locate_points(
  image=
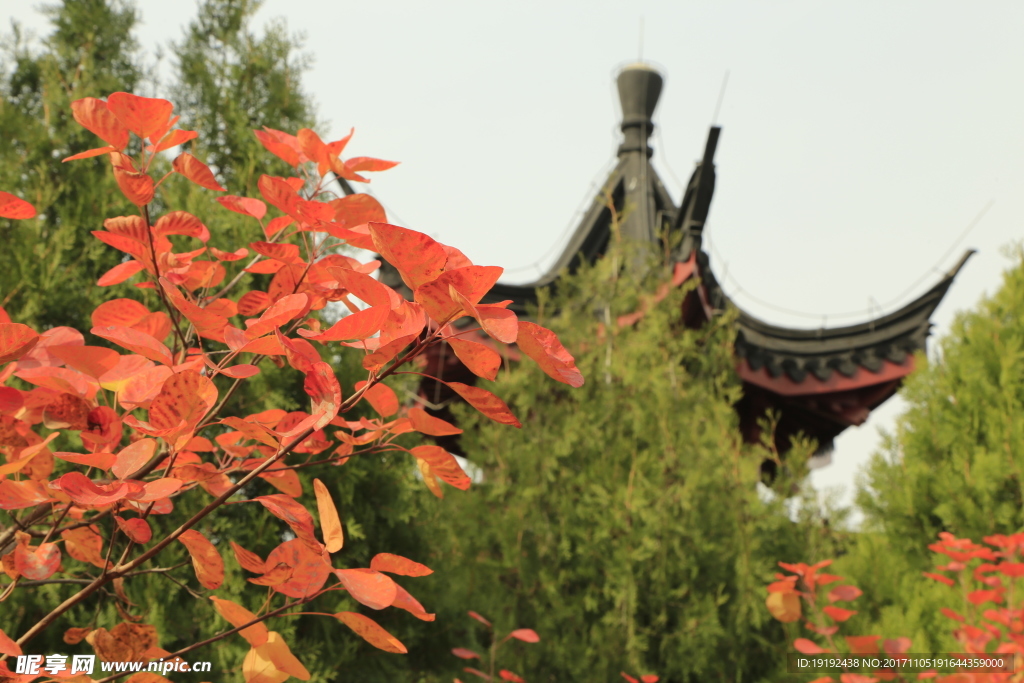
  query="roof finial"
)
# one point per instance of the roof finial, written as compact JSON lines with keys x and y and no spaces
{"x":639,"y":89}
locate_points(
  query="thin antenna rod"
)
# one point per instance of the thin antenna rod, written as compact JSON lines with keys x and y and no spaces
{"x":721,"y":96}
{"x":640,"y":46}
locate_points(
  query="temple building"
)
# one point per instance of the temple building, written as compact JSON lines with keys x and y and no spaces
{"x":820,"y":381}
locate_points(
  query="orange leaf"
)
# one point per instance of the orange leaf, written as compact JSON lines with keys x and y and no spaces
{"x":236,"y":615}
{"x":429,"y":478}
{"x":272,"y":662}
{"x":135,"y":528}
{"x":315,"y":149}
{"x":206,"y":560}
{"x":275,"y":577}
{"x":807,"y":647}
{"x":284,"y":310}
{"x":359,"y":325}
{"x":253,"y":302}
{"x":8,"y":646}
{"x":120,"y":273}
{"x":244,"y":205}
{"x":172,"y":139}
{"x":135,"y":341}
{"x":294,"y":515}
{"x":474,"y":615}
{"x":89,"y":153}
{"x":431,"y":426}
{"x":463,"y":653}
{"x":411,"y":605}
{"x":381,"y":397}
{"x":844,"y":593}
{"x":84,"y":545}
{"x":94,"y":115}
{"x":443,"y":465}
{"x":16,"y":495}
{"x":358,"y":209}
{"x":196,"y":171}
{"x":278,"y":192}
{"x":473,"y":282}
{"x":137,"y":187}
{"x":330,"y":523}
{"x":133,"y":457}
{"x":481,"y":360}
{"x":418,"y":258}
{"x":486,"y":402}
{"x":322,"y":387}
{"x":247,"y":559}
{"x":86,"y":492}
{"x":371,"y":632}
{"x":527,"y":635}
{"x":373,"y":589}
{"x":183,"y":401}
{"x":123,"y":312}
{"x":13,"y":207}
{"x":283,"y":151}
{"x":863,"y":645}
{"x":360,"y":164}
{"x":35,"y":563}
{"x":141,"y":115}
{"x":784,"y":606}
{"x":15,"y":341}
{"x":543,"y":347}
{"x":310,"y":569}
{"x":396,"y":564}
{"x":838,"y":613}
{"x":181,"y":223}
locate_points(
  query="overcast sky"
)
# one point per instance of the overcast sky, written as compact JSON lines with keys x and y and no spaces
{"x":860,"y":139}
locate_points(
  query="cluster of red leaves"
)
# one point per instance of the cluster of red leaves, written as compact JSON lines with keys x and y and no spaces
{"x":979,"y":630}
{"x":526,"y":635}
{"x":150,"y":416}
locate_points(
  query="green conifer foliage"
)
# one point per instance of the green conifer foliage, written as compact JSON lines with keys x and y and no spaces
{"x":49,"y":265}
{"x":622,"y":522}
{"x":954,"y":464}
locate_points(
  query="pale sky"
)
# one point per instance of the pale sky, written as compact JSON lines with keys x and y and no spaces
{"x":859,"y":141}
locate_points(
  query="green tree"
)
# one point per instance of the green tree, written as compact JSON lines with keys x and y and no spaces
{"x":622,"y":522}
{"x":953,"y":464}
{"x":49,"y":265}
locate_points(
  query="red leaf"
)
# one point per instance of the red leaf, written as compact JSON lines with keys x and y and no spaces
{"x":94,"y":115}
{"x":381,"y":397}
{"x":181,"y":223}
{"x":386,"y":353}
{"x":896,"y":646}
{"x":137,"y":187}
{"x":16,"y":495}
{"x":132,"y":457}
{"x":244,"y":205}
{"x":330,"y":523}
{"x":431,"y":426}
{"x":361,"y":164}
{"x":89,"y":153}
{"x":371,"y":632}
{"x":309,"y":569}
{"x":141,"y":115}
{"x":486,"y":402}
{"x":527,"y":635}
{"x":120,"y":273}
{"x":253,"y":302}
{"x":283,"y":151}
{"x":463,"y":653}
{"x":294,"y":515}
{"x":15,"y":341}
{"x":8,"y":646}
{"x":206,"y":561}
{"x":196,"y":171}
{"x":444,"y":465}
{"x":13,"y":207}
{"x":649,"y":678}
{"x":323,"y":388}
{"x":481,"y":360}
{"x":123,"y":312}
{"x":396,"y":564}
{"x":838,"y":613}
{"x":479,"y":618}
{"x":509,"y":676}
{"x":365,"y":287}
{"x":951,"y":614}
{"x":411,"y":605}
{"x":543,"y":347}
{"x":807,"y":647}
{"x":473,"y":282}
{"x":358,"y":209}
{"x":628,"y":677}
{"x":172,"y":139}
{"x":477,"y":672}
{"x":94,"y":361}
{"x":84,"y":491}
{"x":371,"y":588}
{"x":314,"y":149}
{"x":844,"y":593}
{"x":278,"y":192}
{"x":135,"y":528}
{"x":248,"y":559}
{"x":418,"y":258}
{"x":183,"y":401}
{"x":283,"y":311}
{"x":135,"y":341}
{"x":38,"y":563}
{"x":359,"y":325}
{"x":863,"y":645}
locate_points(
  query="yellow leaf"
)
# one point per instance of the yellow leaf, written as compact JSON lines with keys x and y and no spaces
{"x":784,"y":606}
{"x":330,"y":523}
